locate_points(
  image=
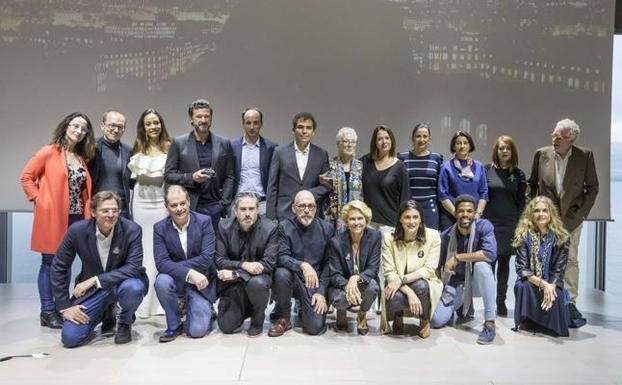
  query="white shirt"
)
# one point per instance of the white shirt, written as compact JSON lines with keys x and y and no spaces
{"x":302,"y":158}
{"x":183,"y":239}
{"x":560,"y":171}
{"x":103,"y":249}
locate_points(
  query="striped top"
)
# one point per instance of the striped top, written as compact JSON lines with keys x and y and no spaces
{"x":423,"y":172}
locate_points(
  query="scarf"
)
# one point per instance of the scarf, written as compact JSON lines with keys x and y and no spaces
{"x":540,"y":255}
{"x":465,"y":171}
{"x":452,"y":249}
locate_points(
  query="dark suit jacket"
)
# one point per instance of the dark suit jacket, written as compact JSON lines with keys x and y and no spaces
{"x":98,"y":172}
{"x":262,"y":243}
{"x":170,"y":257}
{"x":580,"y":183}
{"x":182,"y":161}
{"x":125,"y":259}
{"x":342,"y":261}
{"x":266,"y":150}
{"x":284,"y":181}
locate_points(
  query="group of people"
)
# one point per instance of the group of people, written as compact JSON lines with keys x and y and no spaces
{"x":175,"y":226}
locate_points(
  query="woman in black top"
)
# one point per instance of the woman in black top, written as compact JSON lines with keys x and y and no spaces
{"x":385,"y":179}
{"x":506,"y":200}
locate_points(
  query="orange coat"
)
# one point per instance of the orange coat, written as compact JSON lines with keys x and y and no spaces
{"x":45,"y":178}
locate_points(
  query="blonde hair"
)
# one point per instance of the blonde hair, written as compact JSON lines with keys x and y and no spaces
{"x":525,"y":223}
{"x":356,"y":205}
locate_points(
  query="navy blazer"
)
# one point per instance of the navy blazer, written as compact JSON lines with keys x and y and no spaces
{"x":266,"y":149}
{"x":125,"y":259}
{"x":170,"y":257}
{"x":98,"y":172}
{"x":182,"y":161}
{"x":342,"y":261}
{"x":284,"y":181}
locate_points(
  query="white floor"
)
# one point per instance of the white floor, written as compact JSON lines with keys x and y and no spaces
{"x":591,"y":355}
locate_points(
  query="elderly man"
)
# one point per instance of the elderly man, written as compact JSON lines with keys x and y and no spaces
{"x":303,"y":267}
{"x":202,"y":162}
{"x":109,"y":166}
{"x":468,"y":249}
{"x":566,"y":173}
{"x":246,"y":251}
{"x":111,"y":252}
{"x":184,"y":255}
{"x":253,"y":154}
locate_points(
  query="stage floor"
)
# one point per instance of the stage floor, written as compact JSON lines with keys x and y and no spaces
{"x":591,"y":355}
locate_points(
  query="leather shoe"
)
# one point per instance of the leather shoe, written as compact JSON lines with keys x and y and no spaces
{"x":170,"y":335}
{"x":280,"y":327}
{"x":361,"y":323}
{"x":255,"y":330}
{"x":109,"y":321}
{"x":424,"y":328}
{"x":342,"y":320}
{"x":124,"y":334}
{"x":51,"y":319}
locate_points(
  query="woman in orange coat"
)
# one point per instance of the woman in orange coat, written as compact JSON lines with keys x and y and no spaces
{"x":57,"y":181}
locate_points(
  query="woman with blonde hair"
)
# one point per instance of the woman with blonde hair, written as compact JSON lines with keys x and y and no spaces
{"x":541,"y":243}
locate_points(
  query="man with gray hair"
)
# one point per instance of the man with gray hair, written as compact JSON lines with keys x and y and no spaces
{"x":566,"y":173}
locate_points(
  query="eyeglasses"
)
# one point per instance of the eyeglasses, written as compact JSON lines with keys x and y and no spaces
{"x":349,"y":142}
{"x":79,"y":127}
{"x":109,"y":211}
{"x":309,"y":206}
{"x":113,"y":126}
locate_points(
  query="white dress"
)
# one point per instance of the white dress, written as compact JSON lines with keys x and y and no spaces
{"x":147,"y":209}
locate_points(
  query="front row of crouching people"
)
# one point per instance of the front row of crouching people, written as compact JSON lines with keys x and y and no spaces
{"x":252,"y":258}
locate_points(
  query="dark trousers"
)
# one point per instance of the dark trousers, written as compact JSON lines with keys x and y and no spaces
{"x":502,"y":268}
{"x":241,"y":300}
{"x":369,"y":293}
{"x":128,"y":293}
{"x":213,"y":210}
{"x":399,"y":302}
{"x":287,"y":285}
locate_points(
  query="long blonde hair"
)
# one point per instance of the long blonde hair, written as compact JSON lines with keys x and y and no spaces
{"x":526,"y":225}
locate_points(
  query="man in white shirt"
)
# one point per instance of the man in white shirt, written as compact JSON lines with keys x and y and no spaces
{"x":110,"y":249}
{"x":183,"y":245}
{"x":566,"y":173}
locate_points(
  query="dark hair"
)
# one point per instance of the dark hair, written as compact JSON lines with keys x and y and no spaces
{"x":422,"y":125}
{"x":104,"y":196}
{"x":303,"y":116}
{"x":167,"y":189}
{"x":86,"y":147}
{"x":245,"y":194}
{"x":468,"y":138}
{"x":398,"y":233}
{"x":465,"y":198}
{"x":141,"y":144}
{"x":373,"y":150}
{"x":253,"y":109}
{"x":495,"y":151}
{"x":197,"y":105}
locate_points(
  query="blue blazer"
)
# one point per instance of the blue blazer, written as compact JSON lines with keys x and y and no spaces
{"x":125,"y":259}
{"x":170,"y":257}
{"x":266,"y":149}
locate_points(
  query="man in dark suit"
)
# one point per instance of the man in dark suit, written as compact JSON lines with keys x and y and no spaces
{"x":202,"y":162}
{"x":109,"y":166}
{"x":566,"y":173}
{"x":246,"y":250}
{"x":184,"y":255}
{"x":111,"y":252}
{"x":253,"y":154}
{"x":296,"y":166}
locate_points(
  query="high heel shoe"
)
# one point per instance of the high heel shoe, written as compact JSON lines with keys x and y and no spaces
{"x":51,"y":319}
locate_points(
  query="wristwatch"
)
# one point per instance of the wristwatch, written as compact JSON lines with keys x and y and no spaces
{"x":234,"y":274}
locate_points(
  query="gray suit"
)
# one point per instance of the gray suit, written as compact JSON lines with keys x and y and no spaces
{"x":284,"y":180}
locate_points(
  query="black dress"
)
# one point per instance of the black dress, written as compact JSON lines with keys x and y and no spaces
{"x":384,"y":190}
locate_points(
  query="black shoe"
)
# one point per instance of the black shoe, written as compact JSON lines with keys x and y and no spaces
{"x":109,"y":321}
{"x":574,"y":312}
{"x":342,"y":320}
{"x":51,"y":319}
{"x":170,"y":335}
{"x":502,"y":310}
{"x":124,"y":334}
{"x":255,"y":330}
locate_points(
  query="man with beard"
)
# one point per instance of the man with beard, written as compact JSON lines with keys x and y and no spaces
{"x":246,"y":250}
{"x":468,"y":249}
{"x":202,"y":162}
{"x":303,"y":268}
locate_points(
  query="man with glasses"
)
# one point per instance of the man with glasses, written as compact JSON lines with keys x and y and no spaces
{"x":566,"y":173}
{"x":111,"y":252}
{"x":303,"y":268}
{"x":108,"y":168}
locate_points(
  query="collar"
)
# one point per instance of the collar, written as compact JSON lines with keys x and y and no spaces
{"x":246,"y":143}
{"x":100,"y":236}
{"x":565,"y":157}
{"x":196,"y":139}
{"x":303,"y":152}
{"x":183,"y":228}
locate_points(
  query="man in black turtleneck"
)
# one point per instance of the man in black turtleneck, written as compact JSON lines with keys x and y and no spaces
{"x":109,"y":167}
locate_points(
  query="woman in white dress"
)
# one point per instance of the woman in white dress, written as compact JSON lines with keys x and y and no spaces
{"x":147,"y":167}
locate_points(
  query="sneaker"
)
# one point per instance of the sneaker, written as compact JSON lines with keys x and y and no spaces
{"x":170,"y":335}
{"x":487,"y":336}
{"x":124,"y":334}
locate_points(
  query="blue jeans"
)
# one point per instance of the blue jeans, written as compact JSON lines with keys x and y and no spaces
{"x":483,"y":282}
{"x":128,"y":293}
{"x":199,"y":309}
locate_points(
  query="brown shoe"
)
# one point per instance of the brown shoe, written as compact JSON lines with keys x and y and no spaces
{"x":398,"y":324}
{"x":280,"y":327}
{"x":424,"y":328}
{"x":361,"y":323}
